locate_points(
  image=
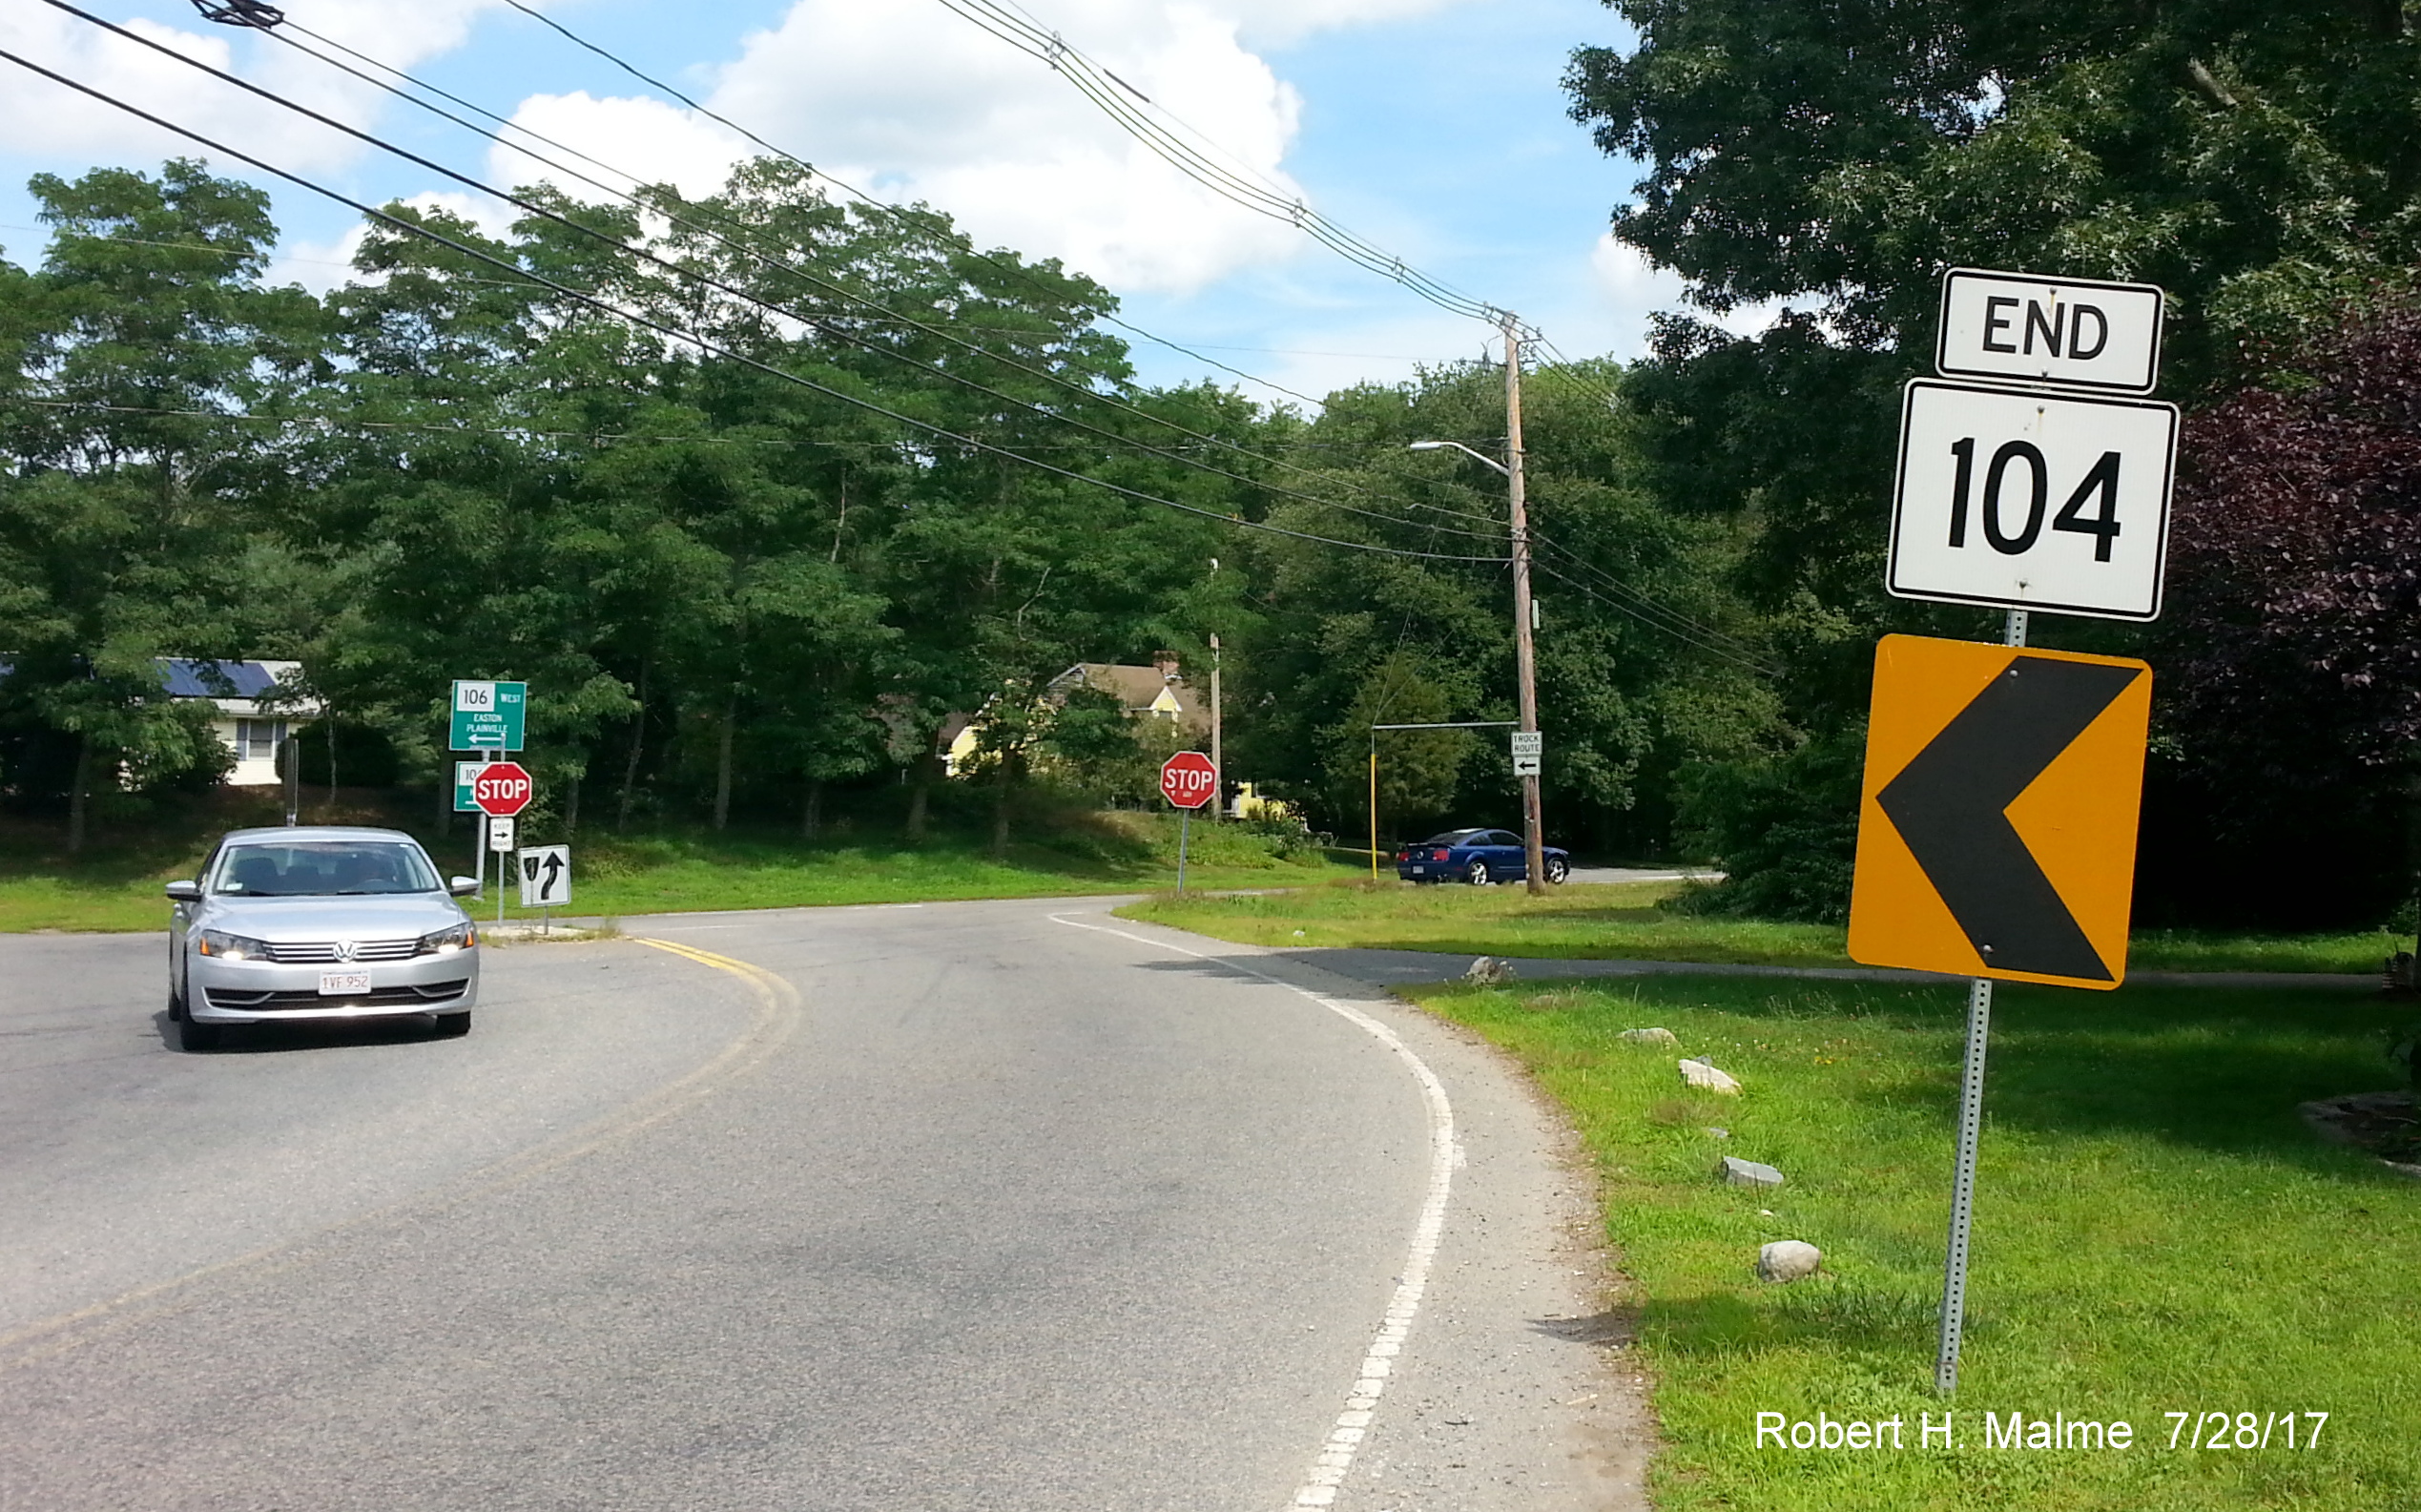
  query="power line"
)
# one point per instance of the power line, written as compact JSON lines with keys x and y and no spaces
{"x":679,"y":270}
{"x":1664,"y":617}
{"x":649,"y":323}
{"x":1649,"y":610}
{"x":1109,"y":95}
{"x":1048,"y":47}
{"x":905,"y":217}
{"x":1711,"y":648}
{"x":940,"y":237}
{"x":782,"y":264}
{"x":331,"y":423}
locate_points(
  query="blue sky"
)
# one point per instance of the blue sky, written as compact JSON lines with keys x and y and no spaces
{"x":1434,"y":128}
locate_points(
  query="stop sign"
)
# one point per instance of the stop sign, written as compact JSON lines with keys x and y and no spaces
{"x":502,"y":788}
{"x":1189,"y":781}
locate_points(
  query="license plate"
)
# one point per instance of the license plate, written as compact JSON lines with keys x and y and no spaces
{"x":343,"y":984}
{"x":1417,"y":871}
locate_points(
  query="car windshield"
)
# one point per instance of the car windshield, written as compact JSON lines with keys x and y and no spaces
{"x":323,"y":869}
{"x":1454,"y":837}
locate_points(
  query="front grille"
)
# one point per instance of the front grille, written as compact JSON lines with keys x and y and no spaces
{"x":323,"y":952}
{"x":412,"y":997}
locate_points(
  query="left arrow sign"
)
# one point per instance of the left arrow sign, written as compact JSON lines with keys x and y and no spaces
{"x":2002,"y":787}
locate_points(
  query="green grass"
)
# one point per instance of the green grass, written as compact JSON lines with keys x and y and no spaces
{"x":1621,"y":921}
{"x":115,"y":886}
{"x":2155,"y":1231}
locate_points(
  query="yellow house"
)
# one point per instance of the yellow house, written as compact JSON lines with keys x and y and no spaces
{"x":1146,"y":692}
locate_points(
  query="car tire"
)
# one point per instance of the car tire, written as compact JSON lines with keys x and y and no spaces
{"x":453,"y":1025}
{"x":1557,"y":870}
{"x":175,"y":1006}
{"x":1478,"y":876}
{"x":193,"y":1036}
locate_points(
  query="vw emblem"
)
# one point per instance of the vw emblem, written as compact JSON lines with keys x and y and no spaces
{"x":344,"y":951}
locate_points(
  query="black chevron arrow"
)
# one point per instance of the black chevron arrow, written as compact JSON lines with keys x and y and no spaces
{"x":1948,"y":805}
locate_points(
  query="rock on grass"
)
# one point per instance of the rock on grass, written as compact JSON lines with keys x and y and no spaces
{"x":1738,"y":1172}
{"x":1705,"y":1078}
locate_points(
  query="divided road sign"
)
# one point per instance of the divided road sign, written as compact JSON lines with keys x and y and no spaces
{"x":502,"y":788}
{"x":2022,"y":499}
{"x":1997,"y":825}
{"x":1189,"y":781}
{"x":545,"y":876}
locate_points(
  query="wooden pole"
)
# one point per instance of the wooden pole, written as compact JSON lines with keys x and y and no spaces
{"x":1525,"y":653}
{"x":1218,"y":765}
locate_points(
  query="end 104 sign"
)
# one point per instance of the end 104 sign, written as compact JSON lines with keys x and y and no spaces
{"x":2033,"y":500}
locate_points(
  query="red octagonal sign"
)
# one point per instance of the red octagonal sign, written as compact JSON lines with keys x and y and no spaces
{"x":1189,"y":779}
{"x":502,"y":788}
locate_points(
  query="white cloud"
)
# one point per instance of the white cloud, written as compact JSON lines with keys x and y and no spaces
{"x":1631,"y":288}
{"x":650,"y":142}
{"x":913,"y":102}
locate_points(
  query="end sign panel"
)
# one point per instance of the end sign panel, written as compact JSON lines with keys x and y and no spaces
{"x":1997,"y":824}
{"x":2022,"y":499}
{"x":2023,"y":328}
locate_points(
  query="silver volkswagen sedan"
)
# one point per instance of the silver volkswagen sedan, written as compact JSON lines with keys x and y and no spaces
{"x":320,"y":922}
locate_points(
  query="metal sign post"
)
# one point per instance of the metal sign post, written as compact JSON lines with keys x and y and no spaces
{"x":1970,"y":1128}
{"x":500,"y":839}
{"x":466,"y":777}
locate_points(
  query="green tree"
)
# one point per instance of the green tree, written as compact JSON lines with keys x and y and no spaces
{"x":132,"y":514}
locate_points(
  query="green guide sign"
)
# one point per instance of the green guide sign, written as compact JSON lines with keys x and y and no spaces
{"x":487,"y":716}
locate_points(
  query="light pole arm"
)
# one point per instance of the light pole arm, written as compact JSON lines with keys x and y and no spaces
{"x":1475,"y":456}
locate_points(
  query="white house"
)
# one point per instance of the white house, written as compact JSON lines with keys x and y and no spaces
{"x":248,"y":722}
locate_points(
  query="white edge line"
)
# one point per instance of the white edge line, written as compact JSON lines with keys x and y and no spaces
{"x":1336,"y":1457}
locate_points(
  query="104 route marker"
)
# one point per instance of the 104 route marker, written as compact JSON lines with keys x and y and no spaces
{"x":2032,"y":501}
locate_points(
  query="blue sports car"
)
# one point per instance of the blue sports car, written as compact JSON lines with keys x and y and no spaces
{"x":1478,"y":857}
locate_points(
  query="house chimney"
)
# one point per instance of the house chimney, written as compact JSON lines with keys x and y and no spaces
{"x":1165,"y":661}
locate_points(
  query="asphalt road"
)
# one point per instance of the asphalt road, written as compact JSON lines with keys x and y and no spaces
{"x":957,"y":1206}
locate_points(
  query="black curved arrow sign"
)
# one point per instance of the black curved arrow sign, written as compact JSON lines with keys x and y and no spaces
{"x":1949,"y":806}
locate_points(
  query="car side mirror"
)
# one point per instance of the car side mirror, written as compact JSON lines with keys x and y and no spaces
{"x":183,"y":892}
{"x":463,"y":886}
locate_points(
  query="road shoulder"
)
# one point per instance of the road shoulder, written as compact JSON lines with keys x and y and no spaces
{"x":1516,"y":1392}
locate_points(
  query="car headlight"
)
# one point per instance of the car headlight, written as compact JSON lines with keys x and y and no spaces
{"x":446,"y":942}
{"x":220,"y":946}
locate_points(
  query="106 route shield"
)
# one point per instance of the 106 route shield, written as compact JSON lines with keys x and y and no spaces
{"x":1996,"y":823}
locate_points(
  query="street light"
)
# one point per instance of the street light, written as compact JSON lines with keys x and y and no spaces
{"x":1475,"y":456}
{"x":1525,"y":653}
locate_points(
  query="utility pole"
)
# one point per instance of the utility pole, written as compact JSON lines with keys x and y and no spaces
{"x":1218,"y":767}
{"x":1525,"y":653}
